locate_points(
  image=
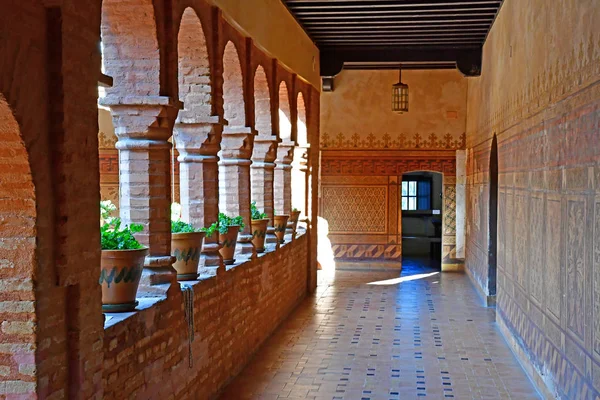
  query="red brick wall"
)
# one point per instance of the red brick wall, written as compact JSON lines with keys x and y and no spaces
{"x":49,"y":64}
{"x":146,"y":356}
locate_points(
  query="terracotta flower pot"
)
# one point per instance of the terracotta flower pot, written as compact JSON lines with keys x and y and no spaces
{"x":294,"y":221}
{"x":228,"y":242}
{"x":280,"y":225}
{"x":186,"y":248}
{"x":259,"y":233}
{"x":120,"y":273}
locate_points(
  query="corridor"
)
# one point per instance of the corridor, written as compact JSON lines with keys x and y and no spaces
{"x":374,"y":335}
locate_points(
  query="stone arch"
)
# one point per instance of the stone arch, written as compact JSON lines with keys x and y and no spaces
{"x":285,"y":115}
{"x":194,"y":73}
{"x":233,"y":87}
{"x":128,"y":31}
{"x":302,"y":130}
{"x":18,"y":246}
{"x":262,"y":102}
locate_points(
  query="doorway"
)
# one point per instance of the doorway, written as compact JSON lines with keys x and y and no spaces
{"x":493,"y":220}
{"x":421,"y":209}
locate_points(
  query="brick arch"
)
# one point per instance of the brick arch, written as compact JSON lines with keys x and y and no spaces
{"x":131,"y":53}
{"x":285,"y":115}
{"x":262,"y":102}
{"x":18,"y":246}
{"x":301,"y":127}
{"x":194,"y":73}
{"x":233,"y":87}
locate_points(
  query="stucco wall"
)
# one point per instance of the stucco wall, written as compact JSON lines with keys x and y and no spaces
{"x":357,"y":114}
{"x":540,"y":93}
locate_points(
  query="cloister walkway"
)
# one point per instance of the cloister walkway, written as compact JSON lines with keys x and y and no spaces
{"x":375,"y":335}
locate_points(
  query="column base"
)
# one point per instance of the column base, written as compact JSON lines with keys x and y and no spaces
{"x":245,"y":246}
{"x":211,"y":262}
{"x":158,"y":270}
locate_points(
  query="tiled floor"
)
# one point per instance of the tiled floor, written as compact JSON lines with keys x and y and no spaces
{"x":374,"y":335}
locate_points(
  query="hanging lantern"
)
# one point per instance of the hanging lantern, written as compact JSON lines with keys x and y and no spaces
{"x":400,"y":95}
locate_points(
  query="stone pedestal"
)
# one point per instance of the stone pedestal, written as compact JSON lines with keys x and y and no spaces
{"x":143,"y":126}
{"x":263,"y":173}
{"x":198,"y":144}
{"x":234,"y":180}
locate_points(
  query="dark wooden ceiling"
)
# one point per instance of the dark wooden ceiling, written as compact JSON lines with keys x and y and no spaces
{"x":384,"y":33}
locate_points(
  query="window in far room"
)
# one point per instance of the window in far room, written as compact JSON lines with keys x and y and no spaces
{"x":416,"y":195}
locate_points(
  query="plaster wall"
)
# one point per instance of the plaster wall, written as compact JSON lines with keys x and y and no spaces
{"x":362,"y":137}
{"x":540,"y":93}
{"x":357,"y":114}
{"x":275,"y":31}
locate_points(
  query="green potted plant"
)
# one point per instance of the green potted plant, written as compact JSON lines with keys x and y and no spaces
{"x":121,"y":262}
{"x":186,"y":245}
{"x":280,"y":224}
{"x":293,"y":221}
{"x":228,"y":229}
{"x":259,"y":224}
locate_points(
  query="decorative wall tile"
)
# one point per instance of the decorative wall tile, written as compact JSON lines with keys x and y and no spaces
{"x":352,"y":209}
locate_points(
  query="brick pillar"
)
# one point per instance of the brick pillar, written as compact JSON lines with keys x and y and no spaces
{"x":198,"y":145}
{"x":234,"y":180}
{"x":143,"y":126}
{"x":300,"y":179}
{"x":263,"y":175}
{"x":283,"y":177}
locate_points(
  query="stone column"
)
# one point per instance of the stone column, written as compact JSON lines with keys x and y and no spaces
{"x":198,"y":145}
{"x":143,"y":126}
{"x":234,"y":180}
{"x":263,"y":172}
{"x":283,"y":177}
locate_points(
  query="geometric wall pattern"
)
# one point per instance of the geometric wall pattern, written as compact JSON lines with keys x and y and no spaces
{"x":355,"y":209}
{"x":360,"y":200}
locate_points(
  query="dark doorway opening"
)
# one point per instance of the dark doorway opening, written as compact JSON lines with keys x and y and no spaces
{"x":493,"y":220}
{"x":421,"y":208}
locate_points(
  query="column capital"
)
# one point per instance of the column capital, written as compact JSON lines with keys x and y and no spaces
{"x":285,"y":154}
{"x":265,"y":150}
{"x":149,"y":118}
{"x":198,"y":141}
{"x":237,"y":142}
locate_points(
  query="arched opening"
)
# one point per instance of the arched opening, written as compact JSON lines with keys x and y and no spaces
{"x":300,"y":170}
{"x":131,"y":57}
{"x":262,"y":103}
{"x":285,"y":116}
{"x":421,"y":205}
{"x":17,"y":251}
{"x":493,"y":220}
{"x":263,"y":152}
{"x":194,"y":69}
{"x":233,"y":87}
{"x":195,"y":92}
{"x":128,"y":31}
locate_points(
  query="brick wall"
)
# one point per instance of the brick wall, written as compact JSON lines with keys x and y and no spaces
{"x":52,"y":334}
{"x":147,"y":355}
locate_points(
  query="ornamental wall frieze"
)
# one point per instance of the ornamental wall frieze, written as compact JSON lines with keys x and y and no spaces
{"x":396,"y":141}
{"x":564,"y":77}
{"x":369,"y":167}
